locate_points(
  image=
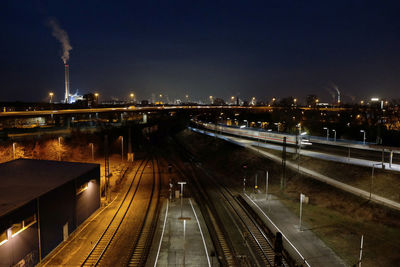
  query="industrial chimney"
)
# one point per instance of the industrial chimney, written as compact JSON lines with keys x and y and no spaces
{"x":66,"y":83}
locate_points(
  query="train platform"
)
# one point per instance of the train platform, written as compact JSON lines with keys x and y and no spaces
{"x":181,"y":237}
{"x":302,"y":243}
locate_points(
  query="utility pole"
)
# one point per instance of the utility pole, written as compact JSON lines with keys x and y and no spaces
{"x":283,"y":178}
{"x":266,"y":185}
{"x":255,"y":183}
{"x":182,"y":184}
{"x":106,"y":167}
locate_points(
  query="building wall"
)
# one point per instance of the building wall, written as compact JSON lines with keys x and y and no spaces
{"x":23,"y":247}
{"x":88,"y":201}
{"x":56,"y":208}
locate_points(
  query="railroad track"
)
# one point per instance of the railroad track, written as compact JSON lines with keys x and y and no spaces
{"x":262,"y":245}
{"x":99,"y":249}
{"x":144,"y":237}
{"x":222,"y":244}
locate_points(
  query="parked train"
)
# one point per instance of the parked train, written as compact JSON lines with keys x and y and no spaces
{"x":259,"y":135}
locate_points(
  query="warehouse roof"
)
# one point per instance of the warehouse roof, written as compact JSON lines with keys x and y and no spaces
{"x":23,"y":180}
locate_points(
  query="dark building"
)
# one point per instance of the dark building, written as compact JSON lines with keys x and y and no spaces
{"x":41,"y":203}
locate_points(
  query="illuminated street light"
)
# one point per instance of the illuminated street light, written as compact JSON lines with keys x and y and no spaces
{"x":362,"y":102}
{"x":295,"y":101}
{"x":362,"y":131}
{"x":334,"y":135}
{"x":327,"y":133}
{"x":96,"y":96}
{"x":132,"y":95}
{"x":247,"y":123}
{"x":211,"y":99}
{"x":51,"y":94}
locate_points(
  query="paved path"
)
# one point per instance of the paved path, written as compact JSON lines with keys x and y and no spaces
{"x":181,"y":239}
{"x":310,"y":173}
{"x":304,"y":245}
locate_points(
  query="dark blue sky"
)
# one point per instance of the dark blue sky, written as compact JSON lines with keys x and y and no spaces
{"x":220,"y":48}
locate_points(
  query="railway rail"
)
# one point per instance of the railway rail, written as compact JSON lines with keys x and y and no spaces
{"x":259,"y":240}
{"x":142,"y":244}
{"x":145,"y":213}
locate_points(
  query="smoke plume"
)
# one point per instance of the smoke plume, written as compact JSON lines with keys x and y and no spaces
{"x":62,"y":37}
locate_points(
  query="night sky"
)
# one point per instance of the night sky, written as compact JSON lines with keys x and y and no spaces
{"x":201,"y":48}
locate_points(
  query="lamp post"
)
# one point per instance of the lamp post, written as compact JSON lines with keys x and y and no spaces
{"x":132,"y":95}
{"x":211,"y":99}
{"x":327,"y":133}
{"x":51,"y":94}
{"x":92,"y":146}
{"x":247,"y":123}
{"x":96,"y":96}
{"x":334,"y":135}
{"x":122,"y":148}
{"x":13,"y":147}
{"x":182,"y":184}
{"x":362,"y":131}
{"x":372,"y":179}
{"x":232,"y":99}
{"x":59,"y":148}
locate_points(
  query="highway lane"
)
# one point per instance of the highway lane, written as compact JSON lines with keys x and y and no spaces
{"x":138,"y":108}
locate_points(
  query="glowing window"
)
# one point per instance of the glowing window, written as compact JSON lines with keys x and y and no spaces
{"x":29,"y":221}
{"x":3,"y":237}
{"x":16,"y":227}
{"x":82,"y":188}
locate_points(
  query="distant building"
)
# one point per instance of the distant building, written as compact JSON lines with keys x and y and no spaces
{"x":41,"y":203}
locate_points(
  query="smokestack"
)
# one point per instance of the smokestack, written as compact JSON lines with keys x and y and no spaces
{"x":66,"y":83}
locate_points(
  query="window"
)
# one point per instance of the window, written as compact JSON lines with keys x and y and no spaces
{"x":29,"y":221}
{"x":3,"y":237}
{"x":82,"y":188}
{"x":16,"y":227}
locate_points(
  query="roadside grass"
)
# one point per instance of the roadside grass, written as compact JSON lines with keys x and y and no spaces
{"x":337,"y":217}
{"x":385,"y":183}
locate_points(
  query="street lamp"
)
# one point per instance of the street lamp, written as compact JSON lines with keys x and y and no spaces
{"x":59,"y":148}
{"x":334,"y":135}
{"x":372,"y":179}
{"x":211,"y":99}
{"x":122,"y":148}
{"x":51,"y":94}
{"x":295,"y":101}
{"x":96,"y":96}
{"x":247,"y":123}
{"x":181,"y":184}
{"x":327,"y":133}
{"x":233,"y":99}
{"x":92,"y":146}
{"x":362,"y":131}
{"x":132,"y":95}
{"x":13,"y":146}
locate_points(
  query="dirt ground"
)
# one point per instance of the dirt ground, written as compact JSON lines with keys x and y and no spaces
{"x":336,"y":217}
